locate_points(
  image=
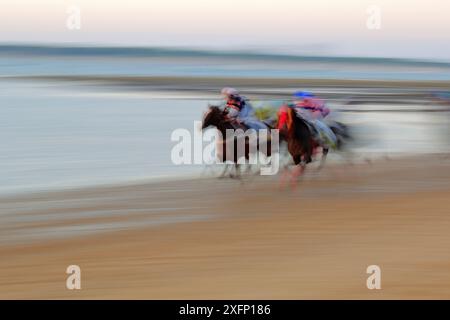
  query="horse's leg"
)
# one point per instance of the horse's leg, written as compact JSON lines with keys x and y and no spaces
{"x":285,"y":174}
{"x":323,"y":159}
{"x":286,"y":160}
{"x":224,"y":172}
{"x":296,"y":173}
{"x":294,"y":155}
{"x":224,"y":160}
{"x":254,"y":166}
{"x":284,"y":177}
{"x":207,"y":168}
{"x":237,"y":171}
{"x":248,"y":169}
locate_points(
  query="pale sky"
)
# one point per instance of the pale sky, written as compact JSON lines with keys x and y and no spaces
{"x":409,"y":28}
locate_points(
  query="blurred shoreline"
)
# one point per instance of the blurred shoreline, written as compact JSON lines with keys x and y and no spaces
{"x":346,"y":92}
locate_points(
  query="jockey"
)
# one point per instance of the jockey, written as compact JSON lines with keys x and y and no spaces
{"x":313,"y":110}
{"x":240,"y":110}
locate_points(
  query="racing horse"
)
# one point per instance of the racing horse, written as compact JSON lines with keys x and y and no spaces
{"x":300,"y":143}
{"x":215,"y":117}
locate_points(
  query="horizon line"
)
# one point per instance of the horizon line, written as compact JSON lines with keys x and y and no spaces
{"x":83,"y":49}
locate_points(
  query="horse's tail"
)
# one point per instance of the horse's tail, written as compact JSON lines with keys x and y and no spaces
{"x":342,"y":133}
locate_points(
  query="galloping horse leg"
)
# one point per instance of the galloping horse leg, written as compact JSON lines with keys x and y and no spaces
{"x":237,"y":172}
{"x":284,"y":176}
{"x":248,"y":169}
{"x":323,"y":159}
{"x":224,"y":172}
{"x":296,"y":173}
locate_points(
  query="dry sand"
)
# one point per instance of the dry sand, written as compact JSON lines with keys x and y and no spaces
{"x":212,"y":239}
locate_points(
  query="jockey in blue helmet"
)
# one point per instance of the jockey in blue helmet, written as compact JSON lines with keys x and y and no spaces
{"x":313,"y":110}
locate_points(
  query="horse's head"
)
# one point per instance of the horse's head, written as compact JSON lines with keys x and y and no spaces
{"x":212,"y":117}
{"x":285,"y":120}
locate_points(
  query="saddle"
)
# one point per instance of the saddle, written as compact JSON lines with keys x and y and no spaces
{"x":312,"y":128}
{"x":316,"y":135}
{"x":238,"y":125}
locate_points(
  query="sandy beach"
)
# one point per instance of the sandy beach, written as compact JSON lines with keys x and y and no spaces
{"x":220,"y":238}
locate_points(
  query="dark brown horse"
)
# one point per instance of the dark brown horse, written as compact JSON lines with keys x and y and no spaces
{"x":301,"y":145}
{"x":215,"y":117}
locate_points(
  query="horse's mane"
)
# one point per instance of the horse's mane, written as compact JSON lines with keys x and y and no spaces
{"x":213,"y":107}
{"x":217,"y":114}
{"x":216,"y":110}
{"x":290,"y":120}
{"x":211,"y":110}
{"x":298,"y":127}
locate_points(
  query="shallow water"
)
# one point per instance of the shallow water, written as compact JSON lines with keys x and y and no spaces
{"x":53,"y":137}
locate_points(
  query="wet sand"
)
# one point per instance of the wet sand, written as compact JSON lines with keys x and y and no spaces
{"x":219,"y":238}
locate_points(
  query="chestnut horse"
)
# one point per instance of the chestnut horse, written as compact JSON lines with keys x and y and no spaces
{"x":297,"y":133}
{"x":215,"y":117}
